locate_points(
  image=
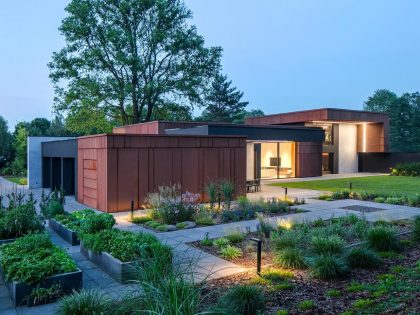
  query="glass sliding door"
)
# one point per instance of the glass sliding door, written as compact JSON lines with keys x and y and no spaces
{"x":277,"y":159}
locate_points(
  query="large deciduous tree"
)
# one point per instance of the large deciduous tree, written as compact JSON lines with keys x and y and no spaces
{"x":130,"y":59}
{"x":404,"y":114}
{"x":223,"y":102}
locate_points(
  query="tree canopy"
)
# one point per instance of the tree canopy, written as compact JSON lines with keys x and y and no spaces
{"x":223,"y":102}
{"x":404,"y":114}
{"x":131,"y":60}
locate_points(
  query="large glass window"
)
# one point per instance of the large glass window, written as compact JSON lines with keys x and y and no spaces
{"x":277,"y":159}
{"x":328,"y":128}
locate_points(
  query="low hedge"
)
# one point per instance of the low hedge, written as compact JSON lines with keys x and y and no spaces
{"x":123,"y":245}
{"x":406,"y":169}
{"x":33,"y":258}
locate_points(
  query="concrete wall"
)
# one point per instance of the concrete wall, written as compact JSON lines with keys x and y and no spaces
{"x":34,"y":155}
{"x":250,"y":161}
{"x":347,"y":150}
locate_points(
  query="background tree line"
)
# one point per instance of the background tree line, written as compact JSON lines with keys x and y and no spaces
{"x":13,"y":146}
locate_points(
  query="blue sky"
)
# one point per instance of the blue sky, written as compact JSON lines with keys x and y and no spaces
{"x":285,"y":55}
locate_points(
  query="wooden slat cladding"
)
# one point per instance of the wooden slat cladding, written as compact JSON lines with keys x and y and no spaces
{"x":308,"y":159}
{"x":128,"y":167}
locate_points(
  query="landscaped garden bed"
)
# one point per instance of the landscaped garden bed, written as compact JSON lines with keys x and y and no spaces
{"x":171,"y":210}
{"x":18,"y":218}
{"x":310,"y":271}
{"x":67,"y":224}
{"x":113,"y":250}
{"x":36,"y":272}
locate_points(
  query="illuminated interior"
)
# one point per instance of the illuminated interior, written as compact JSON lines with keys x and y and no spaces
{"x":277,"y":160}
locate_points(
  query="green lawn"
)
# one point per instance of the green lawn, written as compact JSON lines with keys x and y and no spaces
{"x":18,"y":180}
{"x":392,"y":185}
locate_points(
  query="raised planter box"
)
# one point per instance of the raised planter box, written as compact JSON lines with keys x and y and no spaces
{"x":7,"y":241}
{"x":68,"y":235}
{"x":20,"y":292}
{"x":120,"y":271}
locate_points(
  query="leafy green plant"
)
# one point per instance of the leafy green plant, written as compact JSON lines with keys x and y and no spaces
{"x":394,"y":200}
{"x":414,"y":200}
{"x":243,"y":300}
{"x":221,"y":242}
{"x":290,"y":257}
{"x":206,"y":241}
{"x":333,"y":293}
{"x":406,"y":169}
{"x":204,"y":216}
{"x":331,"y":244}
{"x":328,"y":266}
{"x":123,"y":245}
{"x":162,"y":228}
{"x":383,"y":238}
{"x":276,"y":275}
{"x":363,"y":303}
{"x":231,"y":252}
{"x":181,"y":225}
{"x":235,"y":236}
{"x":356,"y":287}
{"x":141,"y":220}
{"x":306,"y":305}
{"x":340,"y":194}
{"x":33,"y":258}
{"x":85,"y":302}
{"x":363,"y":258}
{"x":379,"y":199}
{"x":95,"y":223}
{"x":52,"y":209}
{"x":227,"y":188}
{"x":282,"y":312}
{"x":19,"y":221}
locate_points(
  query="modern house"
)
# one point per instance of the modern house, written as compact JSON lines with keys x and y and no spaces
{"x":108,"y":171}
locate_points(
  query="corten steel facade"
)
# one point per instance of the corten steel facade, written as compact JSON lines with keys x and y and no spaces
{"x":115,"y":169}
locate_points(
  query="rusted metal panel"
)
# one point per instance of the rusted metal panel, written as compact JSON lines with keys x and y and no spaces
{"x":190,"y":169}
{"x":128,"y":168}
{"x":128,"y":178}
{"x":308,"y":159}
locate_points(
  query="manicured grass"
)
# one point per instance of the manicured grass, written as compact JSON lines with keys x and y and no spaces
{"x":392,"y":185}
{"x":18,"y":180}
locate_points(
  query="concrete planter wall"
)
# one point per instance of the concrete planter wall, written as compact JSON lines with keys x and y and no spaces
{"x":20,"y":292}
{"x":68,"y":235}
{"x":120,"y":271}
{"x":7,"y":241}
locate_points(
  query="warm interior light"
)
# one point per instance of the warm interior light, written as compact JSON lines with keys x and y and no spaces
{"x":364,"y":137}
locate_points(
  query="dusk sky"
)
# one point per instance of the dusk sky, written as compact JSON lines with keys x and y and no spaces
{"x":285,"y":55}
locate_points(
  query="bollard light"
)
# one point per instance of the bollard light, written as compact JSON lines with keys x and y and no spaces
{"x":285,"y":191}
{"x":350,"y":186}
{"x":259,"y":248}
{"x":132,"y":210}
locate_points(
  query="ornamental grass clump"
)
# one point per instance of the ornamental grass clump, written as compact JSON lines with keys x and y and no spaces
{"x":243,"y":300}
{"x":328,"y":266}
{"x":383,"y":238}
{"x":33,"y":258}
{"x":363,"y":258}
{"x":163,"y":287}
{"x":227,"y":189}
{"x":331,"y":244}
{"x":231,"y":252}
{"x":290,"y":257}
{"x":85,"y":302}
